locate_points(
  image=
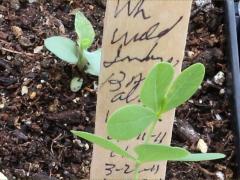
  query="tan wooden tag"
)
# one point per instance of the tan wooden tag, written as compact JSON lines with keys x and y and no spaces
{"x":137,"y":35}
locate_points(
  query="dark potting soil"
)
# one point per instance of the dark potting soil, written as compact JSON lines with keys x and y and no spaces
{"x":37,"y":108}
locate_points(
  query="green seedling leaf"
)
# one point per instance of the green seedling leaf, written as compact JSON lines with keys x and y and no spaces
{"x":76,"y":84}
{"x":84,"y":30}
{"x":158,"y":152}
{"x":156,"y":85}
{"x":129,"y":121}
{"x":202,"y":157}
{"x":62,"y":47}
{"x":184,"y":86}
{"x":94,"y":61}
{"x":104,"y":143}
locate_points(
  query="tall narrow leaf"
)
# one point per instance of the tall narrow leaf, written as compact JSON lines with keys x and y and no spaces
{"x":202,"y":157}
{"x":104,"y":143}
{"x":84,"y":30}
{"x":129,"y":121}
{"x":184,"y":86}
{"x":94,"y":61}
{"x":63,"y":48}
{"x":158,"y":152}
{"x":156,"y":85}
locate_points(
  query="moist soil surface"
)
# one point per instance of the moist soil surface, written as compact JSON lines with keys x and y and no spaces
{"x":38,"y":110}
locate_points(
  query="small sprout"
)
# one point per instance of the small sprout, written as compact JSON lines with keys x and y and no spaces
{"x":77,"y":52}
{"x":160,"y":93}
{"x":76,"y":84}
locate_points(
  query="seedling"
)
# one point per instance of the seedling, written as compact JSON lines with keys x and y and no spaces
{"x":77,"y":52}
{"x":160,"y":93}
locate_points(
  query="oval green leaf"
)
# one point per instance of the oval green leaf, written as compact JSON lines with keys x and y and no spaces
{"x":202,"y":157}
{"x":185,"y":85}
{"x":104,"y":143}
{"x":158,"y":152}
{"x":156,"y":85}
{"x":84,"y":30}
{"x":129,"y":121}
{"x":94,"y":62}
{"x":62,"y":47}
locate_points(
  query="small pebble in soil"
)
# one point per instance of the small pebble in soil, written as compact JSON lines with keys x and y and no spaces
{"x":26,"y":81}
{"x":17,"y":31}
{"x":32,"y":1}
{"x":222,"y":91}
{"x":78,"y":142}
{"x":9,"y":58}
{"x":24,"y":90}
{"x":219,"y":78}
{"x":220,"y":175}
{"x":191,"y":101}
{"x":15,"y":4}
{"x":202,"y":146}
{"x":2,"y":35}
{"x":86,"y":95}
{"x":209,"y":82}
{"x":76,"y":100}
{"x":33,"y":95}
{"x":190,"y":54}
{"x":52,"y":108}
{"x":27,"y":122}
{"x":86,"y":146}
{"x":95,"y":85}
{"x":37,"y":49}
{"x":211,"y":103}
{"x":3,"y":177}
{"x":218,"y":117}
{"x":39,"y":86}
{"x":2,"y":106}
{"x":87,"y":119}
{"x":201,"y":3}
{"x":91,"y":7}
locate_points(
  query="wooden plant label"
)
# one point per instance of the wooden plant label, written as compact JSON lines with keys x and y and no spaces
{"x":137,"y":35}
